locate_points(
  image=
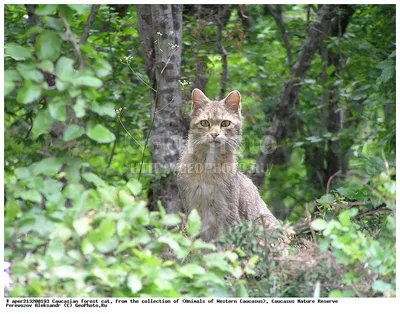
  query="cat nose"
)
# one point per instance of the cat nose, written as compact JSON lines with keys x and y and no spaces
{"x":214,"y":134}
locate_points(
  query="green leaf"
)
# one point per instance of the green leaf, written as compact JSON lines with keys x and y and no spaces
{"x":174,"y":245}
{"x":330,"y":69}
{"x":54,"y":23}
{"x":81,"y":225}
{"x":46,"y":9}
{"x":134,"y":283}
{"x":28,"y":94}
{"x":64,"y":68}
{"x":105,"y":109}
{"x":345,"y":217}
{"x":56,"y":249}
{"x":318,"y":224}
{"x":79,"y":8}
{"x":34,"y":30}
{"x":42,"y":123}
{"x":11,"y":75}
{"x":254,"y":260}
{"x":171,"y":219}
{"x":72,"y":132}
{"x":95,"y":179}
{"x":48,"y":45}
{"x":381,"y":286}
{"x":241,"y":291}
{"x":31,"y":195}
{"x":57,"y":109}
{"x":12,"y":209}
{"x":48,"y":166}
{"x":18,"y":52}
{"x":335,"y":294}
{"x":191,"y":269}
{"x":101,"y":134}
{"x":194,"y":223}
{"x":46,"y":65}
{"x":8,"y":87}
{"x":103,"y":233}
{"x":134,"y":186}
{"x":87,"y":80}
{"x":87,"y":247}
{"x":326,"y":199}
{"x":22,"y":173}
{"x":29,"y":72}
{"x":69,"y":272}
{"x":79,"y":108}
{"x":102,"y":68}
{"x":200,"y":244}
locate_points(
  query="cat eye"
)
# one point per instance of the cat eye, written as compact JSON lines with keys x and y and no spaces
{"x":225,"y":123}
{"x":204,"y":123}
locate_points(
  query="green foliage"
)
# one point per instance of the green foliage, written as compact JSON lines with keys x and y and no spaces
{"x":76,"y":218}
{"x":116,"y":249}
{"x":365,"y":247}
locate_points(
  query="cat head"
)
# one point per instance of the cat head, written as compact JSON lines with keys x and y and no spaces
{"x":216,"y":122}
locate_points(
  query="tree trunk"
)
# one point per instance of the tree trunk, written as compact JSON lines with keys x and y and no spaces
{"x":160,"y":32}
{"x":281,"y":122}
{"x":331,"y":116}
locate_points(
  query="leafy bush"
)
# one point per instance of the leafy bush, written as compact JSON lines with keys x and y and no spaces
{"x":107,"y":243}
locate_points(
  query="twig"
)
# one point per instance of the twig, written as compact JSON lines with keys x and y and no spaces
{"x":173,"y":98}
{"x":114,"y":145}
{"x":137,"y":75}
{"x":119,"y":119}
{"x":358,"y":203}
{"x":339,"y":173}
{"x":373,"y":212}
{"x":155,"y":107}
{"x":77,"y":51}
{"x":328,"y":184}
{"x":89,"y":22}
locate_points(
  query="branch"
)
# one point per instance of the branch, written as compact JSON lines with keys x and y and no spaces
{"x":340,"y":174}
{"x":77,"y":51}
{"x":373,"y":212}
{"x":89,"y":22}
{"x":276,"y":12}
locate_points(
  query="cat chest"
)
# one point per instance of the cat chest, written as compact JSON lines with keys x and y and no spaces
{"x":206,"y":196}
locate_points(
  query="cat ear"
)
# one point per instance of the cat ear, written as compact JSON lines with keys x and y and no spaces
{"x":232,"y":101}
{"x":198,"y":99}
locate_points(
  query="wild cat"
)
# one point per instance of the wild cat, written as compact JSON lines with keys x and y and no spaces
{"x":208,"y":176}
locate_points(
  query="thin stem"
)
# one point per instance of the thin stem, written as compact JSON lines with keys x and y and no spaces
{"x":140,"y":79}
{"x":119,"y":119}
{"x":155,"y":109}
{"x":114,"y":146}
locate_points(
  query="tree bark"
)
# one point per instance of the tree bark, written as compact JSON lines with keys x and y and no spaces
{"x":331,"y":115}
{"x":160,"y":32}
{"x":280,"y":124}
